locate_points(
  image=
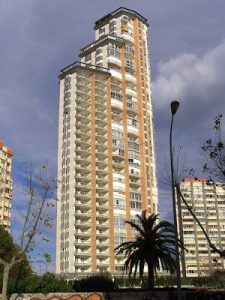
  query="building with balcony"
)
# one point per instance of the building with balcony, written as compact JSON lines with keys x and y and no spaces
{"x":6,"y":156}
{"x":106,"y":151}
{"x":207,"y":200}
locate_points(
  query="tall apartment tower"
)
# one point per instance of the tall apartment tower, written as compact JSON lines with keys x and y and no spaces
{"x":106,"y":154}
{"x":208,"y":202}
{"x":6,"y":156}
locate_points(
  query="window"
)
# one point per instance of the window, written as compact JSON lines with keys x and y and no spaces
{"x":101,"y":31}
{"x":88,"y":57}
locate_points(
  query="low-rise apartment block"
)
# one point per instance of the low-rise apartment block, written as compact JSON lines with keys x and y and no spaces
{"x":207,"y":200}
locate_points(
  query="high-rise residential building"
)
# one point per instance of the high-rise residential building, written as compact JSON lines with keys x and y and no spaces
{"x":106,"y":151}
{"x":207,"y":200}
{"x":6,"y":156}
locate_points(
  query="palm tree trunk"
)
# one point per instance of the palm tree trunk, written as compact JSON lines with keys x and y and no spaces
{"x":151,"y":277}
{"x":5,"y":281}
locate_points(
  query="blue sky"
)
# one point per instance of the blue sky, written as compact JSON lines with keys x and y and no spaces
{"x":39,"y":37}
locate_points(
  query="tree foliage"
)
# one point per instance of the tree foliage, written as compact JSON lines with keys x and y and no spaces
{"x":153,"y":246}
{"x":37,"y":193}
{"x":214,"y":148}
{"x":46,"y":283}
{"x":99,"y":283}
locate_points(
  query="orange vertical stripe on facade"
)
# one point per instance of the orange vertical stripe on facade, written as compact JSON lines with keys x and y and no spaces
{"x":110,"y":178}
{"x":148,"y":131}
{"x":93,"y":177}
{"x":140,"y":117}
{"x":126,"y":152}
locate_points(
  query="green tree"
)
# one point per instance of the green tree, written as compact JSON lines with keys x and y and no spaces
{"x":48,"y":260}
{"x":154,"y":245}
{"x":100,"y":283}
{"x":38,"y":194}
{"x":214,"y":148}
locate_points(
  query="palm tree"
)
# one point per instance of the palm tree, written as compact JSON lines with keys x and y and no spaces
{"x":153,"y":245}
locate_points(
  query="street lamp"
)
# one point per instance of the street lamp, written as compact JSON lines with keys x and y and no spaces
{"x":174,"y":107}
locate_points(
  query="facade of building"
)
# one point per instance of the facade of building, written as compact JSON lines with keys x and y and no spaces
{"x":106,"y":155}
{"x":208,"y":202}
{"x":6,"y":156}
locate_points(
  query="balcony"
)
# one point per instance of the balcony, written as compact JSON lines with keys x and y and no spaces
{"x":100,"y":113}
{"x":101,"y":138}
{"x":132,"y":107}
{"x":84,"y":102}
{"x":133,"y":146}
{"x":82,"y":117}
{"x":80,"y":232}
{"x":82,"y":111}
{"x":80,"y":195}
{"x":117,"y":116}
{"x":102,"y":207}
{"x":102,"y":179}
{"x":132,"y":130}
{"x":82,"y":168}
{"x":135,"y":183}
{"x":99,"y":91}
{"x":83,"y":150}
{"x":82,"y":125}
{"x":128,"y":36}
{"x":114,"y":57}
{"x":83,"y":253}
{"x":102,"y":188}
{"x":82,"y":142}
{"x":80,"y":134}
{"x":83,"y":87}
{"x":130,"y":78}
{"x":82,"y":224}
{"x":116,"y":74}
{"x":83,"y":214}
{"x":115,"y":85}
{"x":82,"y":263}
{"x":134,"y":173}
{"x":116,"y":103}
{"x":82,"y":242}
{"x":100,"y":83}
{"x":119,"y":153}
{"x":83,"y":97}
{"x":131,"y":92}
{"x":102,"y":216}
{"x":100,"y":149}
{"x":100,"y":122}
{"x":129,"y":51}
{"x":102,"y":197}
{"x":82,"y":204}
{"x":102,"y":253}
{"x":82,"y":186}
{"x":118,"y":165}
{"x":83,"y":78}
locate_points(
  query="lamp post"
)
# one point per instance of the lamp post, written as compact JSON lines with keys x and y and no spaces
{"x":174,"y":106}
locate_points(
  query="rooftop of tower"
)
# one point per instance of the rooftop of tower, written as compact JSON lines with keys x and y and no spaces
{"x":116,"y":12}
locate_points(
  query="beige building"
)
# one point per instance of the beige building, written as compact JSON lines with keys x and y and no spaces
{"x":106,"y":154}
{"x":208,"y":202}
{"x":6,"y":156}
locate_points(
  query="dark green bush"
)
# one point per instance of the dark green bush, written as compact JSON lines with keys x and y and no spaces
{"x":46,"y":283}
{"x":97,"y":283}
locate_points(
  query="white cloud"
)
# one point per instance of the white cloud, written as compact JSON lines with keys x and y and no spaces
{"x":190,"y":78}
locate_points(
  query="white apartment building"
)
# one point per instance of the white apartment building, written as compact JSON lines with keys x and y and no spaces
{"x":106,"y":151}
{"x":6,"y":156}
{"x":208,"y":202}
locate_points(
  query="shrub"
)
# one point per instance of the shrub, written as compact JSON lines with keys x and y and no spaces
{"x":97,"y":283}
{"x":46,"y":283}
